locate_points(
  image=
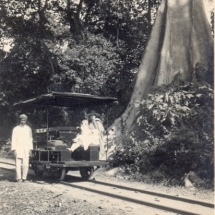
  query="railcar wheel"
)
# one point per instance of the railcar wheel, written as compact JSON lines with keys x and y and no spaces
{"x":86,"y":172}
{"x":62,"y":174}
{"x":59,"y":173}
{"x":38,"y":173}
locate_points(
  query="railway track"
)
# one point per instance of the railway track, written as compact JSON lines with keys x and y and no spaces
{"x":157,"y":200}
{"x":166,"y":203}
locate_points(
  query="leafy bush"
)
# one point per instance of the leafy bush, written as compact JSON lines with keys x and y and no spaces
{"x":173,"y":132}
{"x":5,"y":149}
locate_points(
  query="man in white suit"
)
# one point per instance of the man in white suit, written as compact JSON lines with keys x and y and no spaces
{"x":22,"y":144}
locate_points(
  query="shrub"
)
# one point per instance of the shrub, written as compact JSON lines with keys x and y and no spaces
{"x":173,"y":132}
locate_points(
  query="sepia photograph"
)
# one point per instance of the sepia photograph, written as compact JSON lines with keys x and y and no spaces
{"x":107,"y":107}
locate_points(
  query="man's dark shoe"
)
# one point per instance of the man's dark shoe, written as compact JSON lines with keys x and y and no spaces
{"x":18,"y":180}
{"x":24,"y":180}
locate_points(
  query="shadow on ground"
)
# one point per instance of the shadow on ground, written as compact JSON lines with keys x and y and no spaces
{"x":9,"y":175}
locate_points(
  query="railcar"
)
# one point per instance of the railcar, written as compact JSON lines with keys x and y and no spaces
{"x":50,"y":153}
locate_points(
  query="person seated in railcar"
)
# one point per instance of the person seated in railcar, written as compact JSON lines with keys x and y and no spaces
{"x":85,"y":137}
{"x":95,"y":124}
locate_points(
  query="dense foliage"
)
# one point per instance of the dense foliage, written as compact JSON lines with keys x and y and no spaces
{"x":76,"y":46}
{"x":173,"y":132}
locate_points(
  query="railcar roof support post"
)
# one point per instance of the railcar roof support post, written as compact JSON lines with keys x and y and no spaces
{"x":107,"y":134}
{"x":47,"y":127}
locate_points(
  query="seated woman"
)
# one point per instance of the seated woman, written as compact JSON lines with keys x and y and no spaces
{"x":95,"y":125}
{"x":85,"y":137}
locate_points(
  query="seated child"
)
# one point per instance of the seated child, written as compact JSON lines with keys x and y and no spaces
{"x":85,"y":137}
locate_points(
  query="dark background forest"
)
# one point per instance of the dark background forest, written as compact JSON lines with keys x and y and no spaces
{"x":86,"y":46}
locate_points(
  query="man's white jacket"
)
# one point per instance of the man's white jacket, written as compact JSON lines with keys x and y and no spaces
{"x":22,"y":141}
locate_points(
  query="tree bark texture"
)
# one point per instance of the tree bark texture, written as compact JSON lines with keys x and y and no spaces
{"x":180,"y":38}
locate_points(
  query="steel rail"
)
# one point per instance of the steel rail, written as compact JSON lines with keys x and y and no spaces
{"x":11,"y":164}
{"x":128,"y":199}
{"x":163,"y":195}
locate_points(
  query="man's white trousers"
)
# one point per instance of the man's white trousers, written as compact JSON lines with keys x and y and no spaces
{"x":22,"y":165}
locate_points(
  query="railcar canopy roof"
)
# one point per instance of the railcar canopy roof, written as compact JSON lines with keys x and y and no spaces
{"x":67,"y":99}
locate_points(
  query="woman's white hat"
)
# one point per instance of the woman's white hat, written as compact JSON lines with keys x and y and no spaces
{"x":93,"y":112}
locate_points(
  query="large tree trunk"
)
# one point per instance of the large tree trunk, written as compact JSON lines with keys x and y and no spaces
{"x":180,"y":38}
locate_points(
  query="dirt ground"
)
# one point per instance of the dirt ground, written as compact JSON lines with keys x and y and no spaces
{"x":46,"y":197}
{"x":49,"y":197}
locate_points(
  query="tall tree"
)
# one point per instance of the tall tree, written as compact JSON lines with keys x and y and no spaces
{"x":181,"y":38}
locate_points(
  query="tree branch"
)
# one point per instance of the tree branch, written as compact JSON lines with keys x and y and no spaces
{"x":88,"y":12}
{"x":79,"y":7}
{"x":45,"y":6}
{"x":52,"y":67}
